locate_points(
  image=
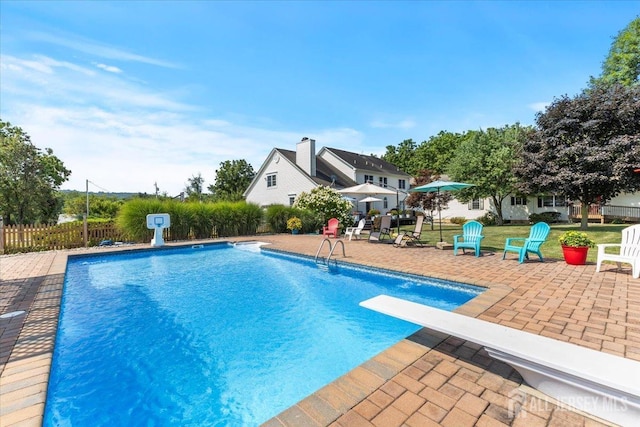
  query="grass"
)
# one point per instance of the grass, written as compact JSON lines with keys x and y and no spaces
{"x":495,"y":236}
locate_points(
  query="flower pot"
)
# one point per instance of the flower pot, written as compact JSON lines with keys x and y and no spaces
{"x":294,"y":231}
{"x":575,"y":255}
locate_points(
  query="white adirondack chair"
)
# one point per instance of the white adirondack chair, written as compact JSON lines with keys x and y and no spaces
{"x":355,"y":231}
{"x":629,"y":251}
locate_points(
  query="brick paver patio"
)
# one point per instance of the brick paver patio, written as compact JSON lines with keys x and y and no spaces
{"x":424,"y":380}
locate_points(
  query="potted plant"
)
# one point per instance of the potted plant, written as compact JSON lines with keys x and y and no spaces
{"x":294,"y":224}
{"x":575,"y":246}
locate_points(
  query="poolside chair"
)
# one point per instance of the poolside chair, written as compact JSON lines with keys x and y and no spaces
{"x":413,"y":238}
{"x":384,"y":232}
{"x":355,"y":231}
{"x":537,"y":236}
{"x":469,"y":239}
{"x":629,"y":252}
{"x":331,"y":229}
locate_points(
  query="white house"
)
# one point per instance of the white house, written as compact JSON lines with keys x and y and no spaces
{"x":285,"y":174}
{"x":518,"y":209}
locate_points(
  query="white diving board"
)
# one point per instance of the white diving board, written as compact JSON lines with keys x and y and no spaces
{"x":597,"y":383}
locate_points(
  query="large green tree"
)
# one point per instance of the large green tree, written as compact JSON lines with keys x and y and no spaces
{"x":436,"y":153}
{"x":622,"y":65}
{"x":29,"y":179}
{"x":486,"y":159}
{"x":403,"y":156}
{"x":585,"y":147}
{"x":232,"y":179}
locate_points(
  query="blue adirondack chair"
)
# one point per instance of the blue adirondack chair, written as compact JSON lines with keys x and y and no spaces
{"x":537,"y":236}
{"x":469,"y":239}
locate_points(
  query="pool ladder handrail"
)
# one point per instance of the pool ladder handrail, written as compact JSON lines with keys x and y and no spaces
{"x":331,"y":249}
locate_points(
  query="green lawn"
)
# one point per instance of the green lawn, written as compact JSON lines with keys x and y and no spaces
{"x":495,"y":236}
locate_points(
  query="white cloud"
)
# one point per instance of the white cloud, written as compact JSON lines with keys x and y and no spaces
{"x":128,"y":152}
{"x":125,"y":136}
{"x":109,"y":68}
{"x":92,"y":47}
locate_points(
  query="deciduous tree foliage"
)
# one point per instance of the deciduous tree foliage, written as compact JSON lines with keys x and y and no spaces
{"x":622,"y":65}
{"x":232,"y":179}
{"x":29,"y":179}
{"x":403,"y":156}
{"x":194,"y":188}
{"x":585,"y":147}
{"x":436,"y":153}
{"x":486,"y":159}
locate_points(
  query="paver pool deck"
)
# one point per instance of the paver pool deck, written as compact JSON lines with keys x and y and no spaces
{"x":427,"y":379}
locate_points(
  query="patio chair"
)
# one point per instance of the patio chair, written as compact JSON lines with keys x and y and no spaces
{"x":537,"y":236}
{"x":469,"y":239}
{"x":413,"y":238}
{"x":629,"y":252}
{"x":355,"y":231}
{"x":384,"y":231}
{"x":331,"y":229}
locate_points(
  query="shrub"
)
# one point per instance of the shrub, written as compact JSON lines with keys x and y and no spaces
{"x":277,"y":216}
{"x":548,"y":217}
{"x":327,"y":202}
{"x":202,"y":220}
{"x":487,"y":219}
{"x":132,"y":218}
{"x":373,"y":212}
{"x":459,"y":220}
{"x":249,"y":216}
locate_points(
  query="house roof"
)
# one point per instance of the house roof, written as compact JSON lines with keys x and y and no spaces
{"x":325,"y":173}
{"x":367,"y":163}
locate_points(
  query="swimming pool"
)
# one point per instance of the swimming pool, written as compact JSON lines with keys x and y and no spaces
{"x":215,"y":335}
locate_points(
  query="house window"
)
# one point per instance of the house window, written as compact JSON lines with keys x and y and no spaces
{"x":368,"y":179}
{"x":271,"y":180}
{"x":518,"y":201}
{"x":402,"y":184}
{"x":292,"y":198}
{"x":476,"y":204}
{"x":551,"y":201}
{"x":382,"y":181}
{"x":385,"y":203}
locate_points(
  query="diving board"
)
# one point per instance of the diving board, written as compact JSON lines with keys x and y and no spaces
{"x":597,"y":383}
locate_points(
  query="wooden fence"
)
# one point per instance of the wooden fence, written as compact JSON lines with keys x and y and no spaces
{"x":30,"y":238}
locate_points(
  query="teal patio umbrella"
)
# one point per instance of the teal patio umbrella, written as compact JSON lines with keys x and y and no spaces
{"x":437,"y":187}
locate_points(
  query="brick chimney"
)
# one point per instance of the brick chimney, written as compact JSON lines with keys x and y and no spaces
{"x":306,"y":155}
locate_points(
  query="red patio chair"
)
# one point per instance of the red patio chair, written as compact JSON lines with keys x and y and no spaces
{"x":331,"y":229}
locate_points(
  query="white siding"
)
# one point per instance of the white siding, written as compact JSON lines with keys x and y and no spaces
{"x":289,"y":180}
{"x":632,"y":200}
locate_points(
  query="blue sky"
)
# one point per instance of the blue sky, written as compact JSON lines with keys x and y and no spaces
{"x":132,"y":93}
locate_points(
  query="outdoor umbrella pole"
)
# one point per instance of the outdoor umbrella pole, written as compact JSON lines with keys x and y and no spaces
{"x":439,"y":214}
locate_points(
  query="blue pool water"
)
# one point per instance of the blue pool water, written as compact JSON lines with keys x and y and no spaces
{"x":215,"y":336}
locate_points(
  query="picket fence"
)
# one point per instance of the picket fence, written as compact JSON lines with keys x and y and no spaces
{"x":31,"y":238}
